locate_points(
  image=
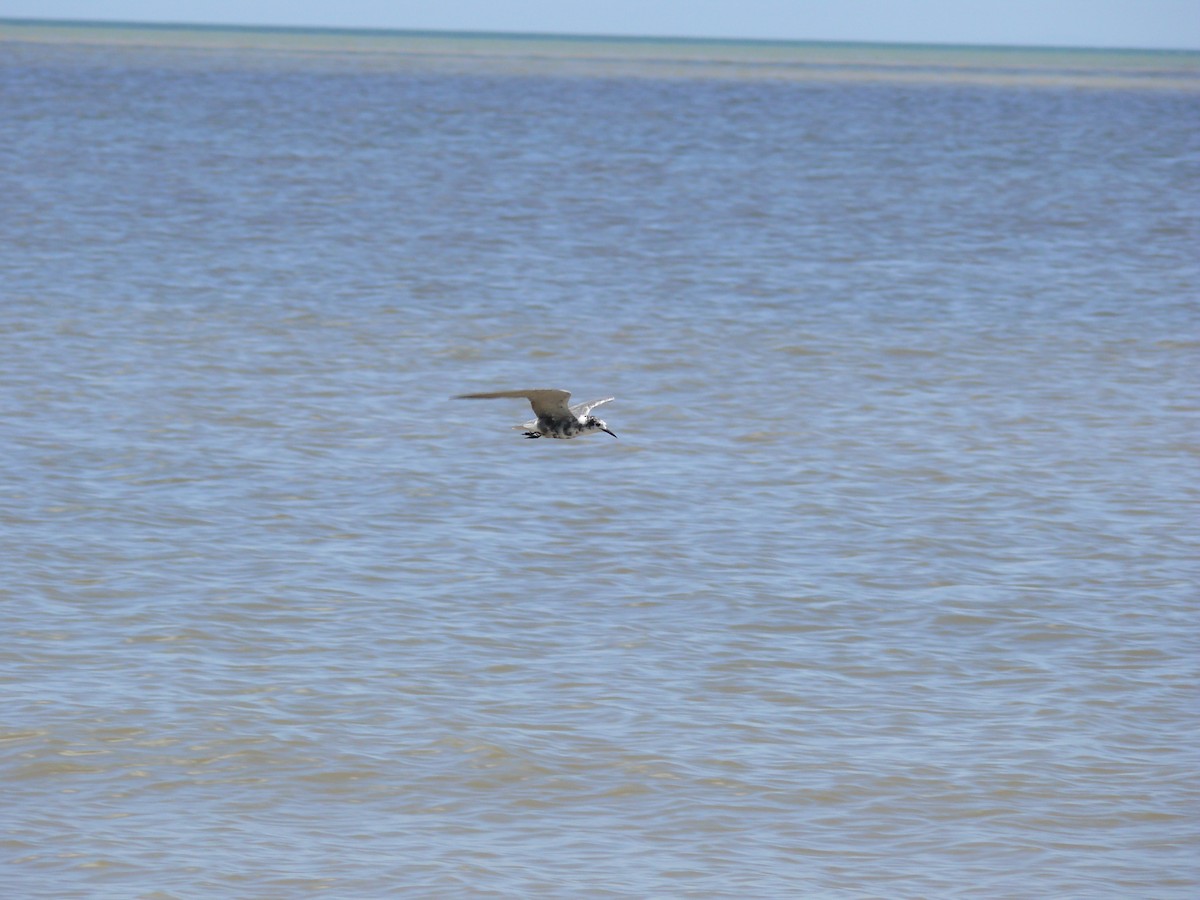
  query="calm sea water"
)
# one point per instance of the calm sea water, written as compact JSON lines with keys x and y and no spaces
{"x":887,"y":589}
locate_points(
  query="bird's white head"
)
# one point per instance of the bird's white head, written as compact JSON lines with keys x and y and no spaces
{"x":594,"y":424}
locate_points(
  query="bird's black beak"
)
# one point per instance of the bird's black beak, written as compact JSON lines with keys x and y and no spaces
{"x":606,"y":431}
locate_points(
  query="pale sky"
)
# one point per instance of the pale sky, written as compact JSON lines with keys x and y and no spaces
{"x":1089,"y":23}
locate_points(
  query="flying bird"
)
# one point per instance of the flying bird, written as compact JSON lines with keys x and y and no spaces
{"x":555,"y":418}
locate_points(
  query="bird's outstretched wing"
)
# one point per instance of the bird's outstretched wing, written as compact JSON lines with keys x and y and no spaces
{"x":545,"y":401}
{"x":582,"y":409}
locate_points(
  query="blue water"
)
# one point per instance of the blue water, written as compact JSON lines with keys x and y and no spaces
{"x":887,"y":587}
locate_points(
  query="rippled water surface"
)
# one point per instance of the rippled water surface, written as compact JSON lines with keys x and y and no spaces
{"x":887,"y":589}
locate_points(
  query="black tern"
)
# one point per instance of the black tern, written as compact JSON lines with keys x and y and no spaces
{"x":555,"y":418}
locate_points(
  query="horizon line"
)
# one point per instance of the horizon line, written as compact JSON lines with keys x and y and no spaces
{"x":580,"y":36}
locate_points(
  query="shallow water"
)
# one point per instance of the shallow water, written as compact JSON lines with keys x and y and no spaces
{"x":887,"y":588}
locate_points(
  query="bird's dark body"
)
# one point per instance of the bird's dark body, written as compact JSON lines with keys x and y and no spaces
{"x":563,"y":429}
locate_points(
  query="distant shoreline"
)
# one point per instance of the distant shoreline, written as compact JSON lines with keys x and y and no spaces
{"x":118,"y":24}
{"x":650,"y":57}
